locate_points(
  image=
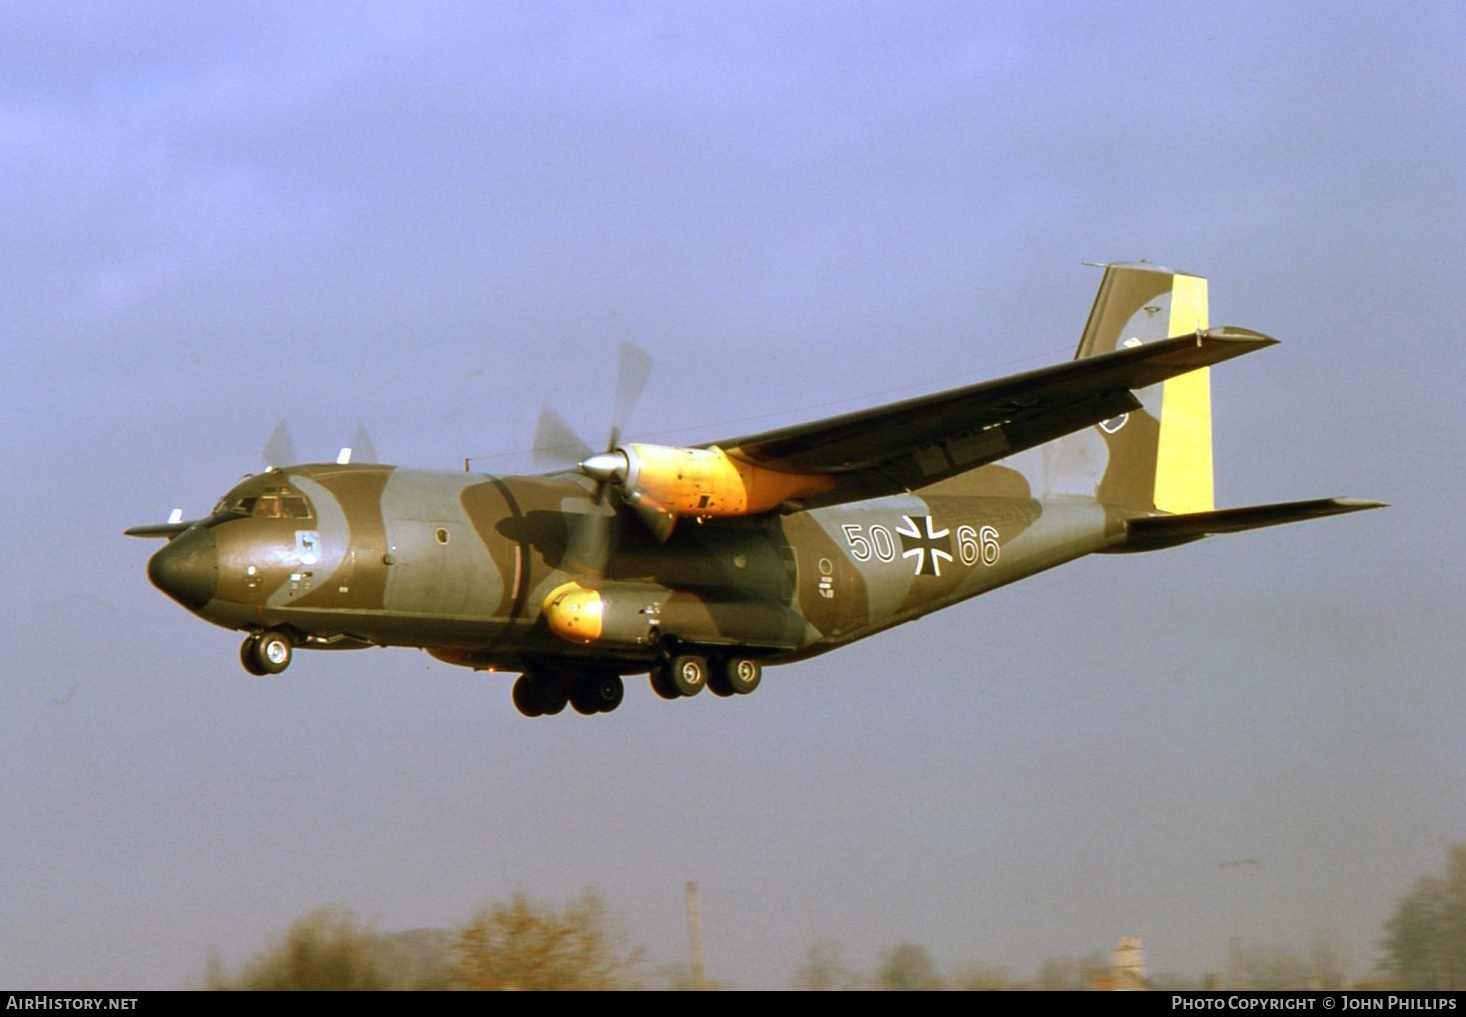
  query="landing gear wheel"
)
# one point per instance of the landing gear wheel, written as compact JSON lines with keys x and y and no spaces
{"x":247,"y":657}
{"x":689,"y":673}
{"x":718,"y":683}
{"x":553,"y":695}
{"x":742,"y":674}
{"x":661,"y":679}
{"x":597,"y":692}
{"x":528,"y":699}
{"x":266,"y":653}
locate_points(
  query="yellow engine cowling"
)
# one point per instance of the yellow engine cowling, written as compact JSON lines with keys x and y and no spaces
{"x":631,"y":616}
{"x":583,"y":614}
{"x":707,"y":482}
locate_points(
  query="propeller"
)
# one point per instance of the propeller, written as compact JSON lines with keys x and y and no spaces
{"x":556,"y":444}
{"x":363,"y":449}
{"x":280,"y":449}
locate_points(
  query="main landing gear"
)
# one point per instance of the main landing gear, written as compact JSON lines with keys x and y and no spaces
{"x":544,"y":693}
{"x":266,"y":653}
{"x":687,"y":674}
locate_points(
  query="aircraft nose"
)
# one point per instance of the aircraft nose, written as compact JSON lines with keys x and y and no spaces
{"x":187,"y":568}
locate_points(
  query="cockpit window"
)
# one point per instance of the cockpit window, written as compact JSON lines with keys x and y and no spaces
{"x":281,"y":506}
{"x":275,"y":503}
{"x":234,"y":506}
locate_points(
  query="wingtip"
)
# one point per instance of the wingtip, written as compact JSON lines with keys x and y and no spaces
{"x":1232,"y":333}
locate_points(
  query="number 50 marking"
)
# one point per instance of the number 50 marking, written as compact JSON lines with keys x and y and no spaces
{"x":978,"y":545}
{"x":880,"y":542}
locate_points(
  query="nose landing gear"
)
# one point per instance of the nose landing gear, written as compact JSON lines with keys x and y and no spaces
{"x":266,"y":653}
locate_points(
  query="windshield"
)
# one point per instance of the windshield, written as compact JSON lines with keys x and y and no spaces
{"x":277,"y":502}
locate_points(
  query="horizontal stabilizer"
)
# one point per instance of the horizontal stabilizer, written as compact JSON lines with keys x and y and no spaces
{"x":1148,"y":533}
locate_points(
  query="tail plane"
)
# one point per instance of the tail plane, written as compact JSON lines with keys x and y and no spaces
{"x":1154,"y":464}
{"x":1157,"y":458}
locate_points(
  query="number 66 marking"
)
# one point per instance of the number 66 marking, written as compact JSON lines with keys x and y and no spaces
{"x":978,"y":545}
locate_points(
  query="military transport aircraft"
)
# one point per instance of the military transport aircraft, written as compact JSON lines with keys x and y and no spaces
{"x":702,"y":565}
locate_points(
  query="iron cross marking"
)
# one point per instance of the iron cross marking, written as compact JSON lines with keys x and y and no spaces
{"x":926,"y":545}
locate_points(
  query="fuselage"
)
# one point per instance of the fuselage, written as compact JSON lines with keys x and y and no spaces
{"x":462,"y":564}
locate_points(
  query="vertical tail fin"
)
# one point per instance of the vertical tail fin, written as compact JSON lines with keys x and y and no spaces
{"x":1158,"y":457}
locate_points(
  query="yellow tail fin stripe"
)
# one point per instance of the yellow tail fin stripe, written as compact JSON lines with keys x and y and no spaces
{"x":1183,"y":480}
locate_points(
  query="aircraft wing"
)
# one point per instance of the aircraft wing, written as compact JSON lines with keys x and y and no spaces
{"x":938,"y":435}
{"x":169,"y":530}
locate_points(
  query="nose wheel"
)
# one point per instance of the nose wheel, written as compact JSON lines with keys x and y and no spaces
{"x":266,"y":653}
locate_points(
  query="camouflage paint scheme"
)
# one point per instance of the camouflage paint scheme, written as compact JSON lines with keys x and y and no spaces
{"x":905,"y":510}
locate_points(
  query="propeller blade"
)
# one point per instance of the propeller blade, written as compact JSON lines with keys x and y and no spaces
{"x":592,"y":537}
{"x":280,"y":449}
{"x":659,"y":522}
{"x":362,"y":448}
{"x":555,"y":443}
{"x":632,"y":371}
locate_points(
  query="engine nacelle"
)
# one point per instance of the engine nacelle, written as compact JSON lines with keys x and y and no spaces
{"x":699,"y":481}
{"x":630,"y":615}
